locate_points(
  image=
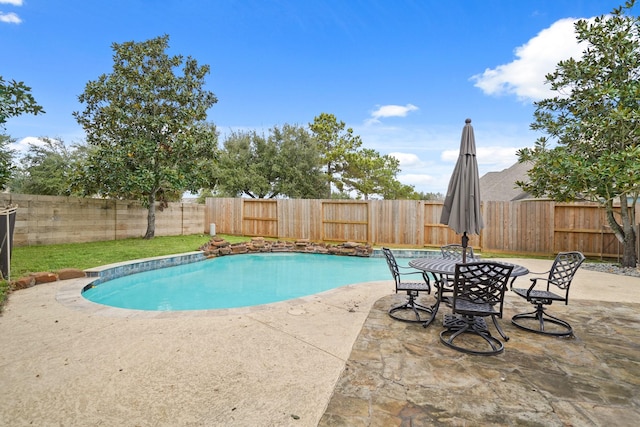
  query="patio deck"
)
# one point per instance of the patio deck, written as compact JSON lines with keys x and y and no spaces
{"x":334,"y":358}
{"x":399,"y":374}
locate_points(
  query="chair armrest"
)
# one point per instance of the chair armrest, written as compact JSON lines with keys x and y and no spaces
{"x":534,"y":281}
{"x":413,"y":272}
{"x":542,"y":273}
{"x":425,"y":277}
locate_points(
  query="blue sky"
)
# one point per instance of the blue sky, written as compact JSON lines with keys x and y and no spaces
{"x":403,"y":74}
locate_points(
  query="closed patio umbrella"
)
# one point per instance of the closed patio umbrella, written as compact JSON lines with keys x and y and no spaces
{"x":461,"y":210}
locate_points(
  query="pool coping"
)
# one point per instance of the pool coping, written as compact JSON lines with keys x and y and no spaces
{"x":113,"y":271}
{"x":108,"y":272}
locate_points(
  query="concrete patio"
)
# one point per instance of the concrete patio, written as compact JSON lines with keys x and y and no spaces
{"x":332,"y":359}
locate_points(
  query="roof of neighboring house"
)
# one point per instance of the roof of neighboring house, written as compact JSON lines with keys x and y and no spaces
{"x":501,"y":186}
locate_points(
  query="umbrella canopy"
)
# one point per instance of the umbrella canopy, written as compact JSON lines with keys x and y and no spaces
{"x":461,"y":210}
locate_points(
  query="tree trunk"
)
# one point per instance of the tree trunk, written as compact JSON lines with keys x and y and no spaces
{"x":151,"y":217}
{"x":625,"y":232}
{"x":629,"y":241}
{"x":629,"y":252}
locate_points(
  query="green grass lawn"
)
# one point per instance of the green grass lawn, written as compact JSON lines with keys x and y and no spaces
{"x":32,"y":259}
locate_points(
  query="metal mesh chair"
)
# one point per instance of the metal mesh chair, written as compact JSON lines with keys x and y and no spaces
{"x":454,"y":251}
{"x":560,"y":275}
{"x":411,"y":310}
{"x":478,"y":292}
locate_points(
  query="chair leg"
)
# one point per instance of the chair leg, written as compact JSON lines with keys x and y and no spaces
{"x":541,"y":316}
{"x":457,"y":325}
{"x":498,"y":328}
{"x":411,"y":304}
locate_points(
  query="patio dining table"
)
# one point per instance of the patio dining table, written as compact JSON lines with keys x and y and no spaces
{"x":442,"y":268}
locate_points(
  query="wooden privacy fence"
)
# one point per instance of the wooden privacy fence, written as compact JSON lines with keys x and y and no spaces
{"x":533,"y":227}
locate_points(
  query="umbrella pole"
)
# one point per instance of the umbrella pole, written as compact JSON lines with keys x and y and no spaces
{"x":465,"y":243}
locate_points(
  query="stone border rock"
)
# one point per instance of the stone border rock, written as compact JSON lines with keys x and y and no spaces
{"x":46,"y":277}
{"x":218,"y":246}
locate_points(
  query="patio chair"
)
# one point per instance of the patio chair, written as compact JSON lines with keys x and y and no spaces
{"x":478,"y":292}
{"x":560,"y":275}
{"x":453,"y":251}
{"x":411,"y":310}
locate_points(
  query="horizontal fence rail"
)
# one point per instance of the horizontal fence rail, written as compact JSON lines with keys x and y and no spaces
{"x":530,"y":227}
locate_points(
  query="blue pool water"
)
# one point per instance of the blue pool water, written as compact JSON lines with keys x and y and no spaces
{"x":236,"y":281}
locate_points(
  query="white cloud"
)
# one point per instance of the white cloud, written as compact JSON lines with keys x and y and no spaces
{"x":10,"y":18}
{"x":391,"y":111}
{"x":525,"y":76}
{"x":417,"y":180}
{"x":489,"y":158}
{"x":496,"y":158}
{"x":407,"y":160}
{"x":450,"y":155}
{"x":22,"y":146}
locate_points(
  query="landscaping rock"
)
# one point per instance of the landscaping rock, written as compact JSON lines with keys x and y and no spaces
{"x":23,"y":283}
{"x":44,"y":277}
{"x":239,"y":248}
{"x":257,"y":243}
{"x":220,"y":247}
{"x":70,"y":273}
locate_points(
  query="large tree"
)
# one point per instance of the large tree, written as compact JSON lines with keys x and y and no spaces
{"x":283,"y":164}
{"x":243,"y":166}
{"x":337,"y":143}
{"x":350,"y":168}
{"x":369,"y":173}
{"x":299,"y":162}
{"x":146,"y":126}
{"x":47,"y":168}
{"x":591,"y":149}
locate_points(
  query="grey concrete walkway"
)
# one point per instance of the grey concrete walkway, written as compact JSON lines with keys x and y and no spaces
{"x":66,"y":361}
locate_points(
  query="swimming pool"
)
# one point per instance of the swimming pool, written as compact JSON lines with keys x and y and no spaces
{"x":236,"y":281}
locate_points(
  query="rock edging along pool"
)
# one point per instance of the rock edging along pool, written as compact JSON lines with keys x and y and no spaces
{"x":235,"y":281}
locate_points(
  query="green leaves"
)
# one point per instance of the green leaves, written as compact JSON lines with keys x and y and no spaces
{"x":285,"y":163}
{"x":6,"y":157}
{"x":47,"y":168}
{"x":16,"y":99}
{"x":369,"y":173}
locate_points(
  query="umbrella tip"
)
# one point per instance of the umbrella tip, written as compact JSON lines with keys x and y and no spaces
{"x":467,"y":121}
